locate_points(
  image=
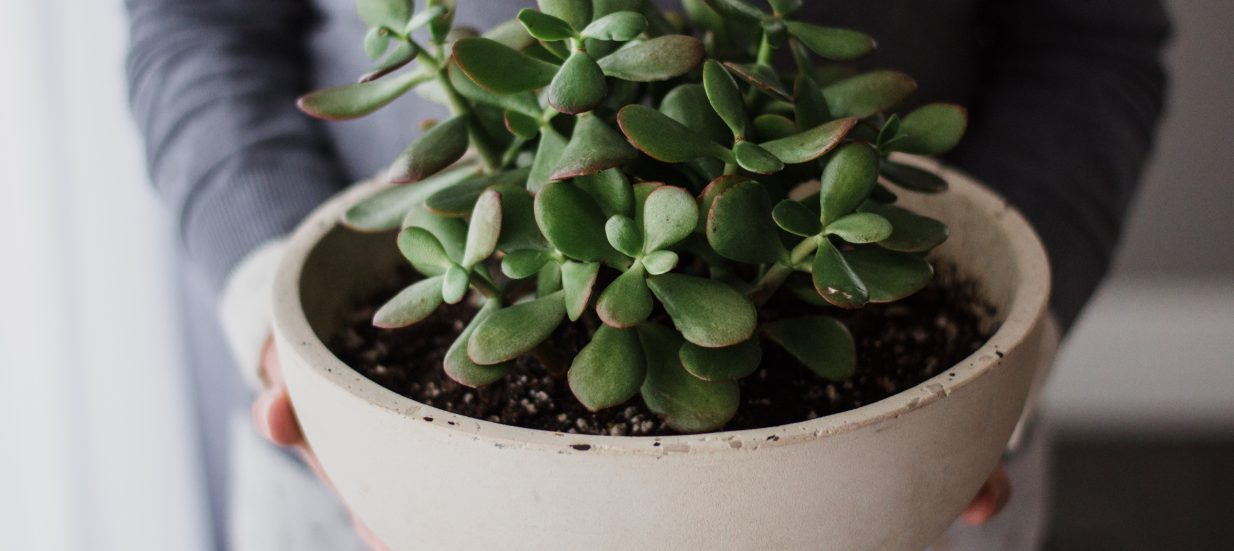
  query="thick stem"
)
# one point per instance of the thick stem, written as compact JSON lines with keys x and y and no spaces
{"x":777,"y":274}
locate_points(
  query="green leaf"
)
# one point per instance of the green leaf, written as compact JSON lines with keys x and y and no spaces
{"x":411,"y":305}
{"x":687,"y":403}
{"x":724,"y":96}
{"x":601,"y":8}
{"x":881,"y":194}
{"x":432,"y":152}
{"x":688,"y":105}
{"x":889,"y":133}
{"x":860,"y":228}
{"x":706,"y":312}
{"x":785,"y":7}
{"x":623,"y":234}
{"x":430,"y":12}
{"x":578,"y":86}
{"x":385,"y":210}
{"x":912,"y":178}
{"x":513,"y":331}
{"x":889,"y":275}
{"x":761,"y":77}
{"x":524,"y":103}
{"x":847,"y":179}
{"x":518,"y":219}
{"x":832,"y":43}
{"x":660,"y":262}
{"x":618,"y":26}
{"x":376,"y":40}
{"x":511,"y":34}
{"x":809,"y":105}
{"x":523,"y":126}
{"x":450,"y":232}
{"x":835,"y":280}
{"x":578,"y":279}
{"x":466,"y":372}
{"x":576,"y":12}
{"x":626,"y":301}
{"x":823,"y":344}
{"x":459,"y":199}
{"x":796,"y":218}
{"x":911,"y":232}
{"x":811,"y":144}
{"x":736,"y":8}
{"x":454,"y":286}
{"x":548,"y":281}
{"x":740,"y":227}
{"x":609,"y":370}
{"x":611,"y":189}
{"x":392,"y":14}
{"x":665,"y":139}
{"x":524,"y":263}
{"x":352,"y":101}
{"x":402,"y":54}
{"x":721,"y":364}
{"x":660,"y":58}
{"x":933,"y":129}
{"x":708,"y":197}
{"x":669,"y":215}
{"x":484,"y":229}
{"x":593,"y":148}
{"x":499,"y":68}
{"x":548,"y":154}
{"x":551,"y":52}
{"x":544,"y":26}
{"x":769,"y":126}
{"x":754,"y":158}
{"x":424,"y":251}
{"x":867,"y":94}
{"x":572,"y":222}
{"x":439,"y":26}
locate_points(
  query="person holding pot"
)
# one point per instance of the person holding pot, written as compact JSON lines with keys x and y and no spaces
{"x":1065,"y":97}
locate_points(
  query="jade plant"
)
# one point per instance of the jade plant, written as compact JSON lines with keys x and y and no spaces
{"x":656,"y":178}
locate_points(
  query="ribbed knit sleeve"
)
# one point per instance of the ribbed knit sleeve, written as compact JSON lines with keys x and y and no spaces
{"x":212,"y":87}
{"x":1064,"y":122}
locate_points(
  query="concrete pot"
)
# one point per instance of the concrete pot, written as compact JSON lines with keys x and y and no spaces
{"x":890,"y":475}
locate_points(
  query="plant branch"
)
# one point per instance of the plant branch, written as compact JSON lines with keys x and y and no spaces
{"x":777,"y":274}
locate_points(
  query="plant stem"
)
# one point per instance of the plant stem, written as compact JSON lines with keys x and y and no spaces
{"x":459,"y":106}
{"x":775,"y":276}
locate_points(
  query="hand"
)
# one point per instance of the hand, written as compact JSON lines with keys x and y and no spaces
{"x":275,"y":419}
{"x":990,"y":499}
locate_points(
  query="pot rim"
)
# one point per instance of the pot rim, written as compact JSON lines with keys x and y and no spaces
{"x":1027,"y":309}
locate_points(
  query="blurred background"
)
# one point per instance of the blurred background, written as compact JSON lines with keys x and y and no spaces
{"x":95,"y":451}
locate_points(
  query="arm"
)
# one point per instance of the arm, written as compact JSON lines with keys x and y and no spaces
{"x":212,"y":86}
{"x":1064,"y":123}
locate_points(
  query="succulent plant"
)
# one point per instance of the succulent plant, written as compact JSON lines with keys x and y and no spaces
{"x":656,"y":187}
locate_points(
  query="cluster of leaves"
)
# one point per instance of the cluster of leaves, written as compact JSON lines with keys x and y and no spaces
{"x":684,"y":173}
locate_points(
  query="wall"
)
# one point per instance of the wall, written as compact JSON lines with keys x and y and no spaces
{"x":1155,"y":352}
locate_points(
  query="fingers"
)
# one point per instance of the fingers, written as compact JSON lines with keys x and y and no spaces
{"x":990,"y":499}
{"x":275,"y":419}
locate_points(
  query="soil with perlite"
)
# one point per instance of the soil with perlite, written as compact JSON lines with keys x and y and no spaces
{"x":899,"y":345}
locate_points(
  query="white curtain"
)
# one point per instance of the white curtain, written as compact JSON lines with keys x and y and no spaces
{"x":95,"y":445}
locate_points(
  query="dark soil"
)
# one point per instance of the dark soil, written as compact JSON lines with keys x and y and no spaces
{"x":898,"y":346}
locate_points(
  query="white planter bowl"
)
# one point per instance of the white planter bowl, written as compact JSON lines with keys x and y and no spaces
{"x":889,"y":475}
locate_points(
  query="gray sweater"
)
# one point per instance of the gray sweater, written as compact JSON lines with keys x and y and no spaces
{"x":1064,"y":96}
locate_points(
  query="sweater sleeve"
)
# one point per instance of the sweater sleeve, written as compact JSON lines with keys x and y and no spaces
{"x":1064,"y":121}
{"x":212,"y":87}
